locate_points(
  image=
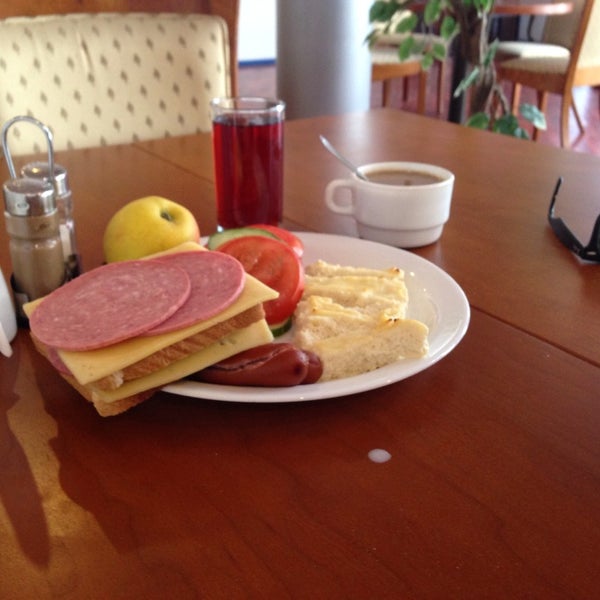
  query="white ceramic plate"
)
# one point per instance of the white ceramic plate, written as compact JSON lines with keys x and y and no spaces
{"x":434,"y":298}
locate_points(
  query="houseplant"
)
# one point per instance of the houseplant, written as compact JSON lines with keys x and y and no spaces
{"x":465,"y":23}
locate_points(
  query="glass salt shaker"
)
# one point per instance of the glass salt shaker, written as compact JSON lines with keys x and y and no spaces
{"x":33,"y":225}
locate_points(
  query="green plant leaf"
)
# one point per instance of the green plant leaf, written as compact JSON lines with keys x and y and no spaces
{"x":432,"y":11}
{"x":371,"y":38}
{"x":467,"y":82}
{"x":427,"y":61}
{"x":509,"y":125}
{"x":488,"y":59}
{"x":382,"y":11}
{"x":407,"y":24}
{"x":448,"y":28}
{"x":506,"y":124}
{"x":418,"y":47}
{"x":439,"y":51}
{"x":483,"y":6}
{"x":478,"y":120}
{"x":521,"y":133}
{"x":406,"y":48}
{"x":534,"y":115}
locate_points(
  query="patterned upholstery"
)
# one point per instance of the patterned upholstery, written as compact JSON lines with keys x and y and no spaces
{"x":522,"y":49}
{"x":109,"y":78}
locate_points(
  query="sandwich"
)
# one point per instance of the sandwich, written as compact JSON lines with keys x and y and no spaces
{"x":355,"y":319}
{"x":120,"y":332}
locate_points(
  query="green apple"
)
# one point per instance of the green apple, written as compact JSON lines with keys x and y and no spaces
{"x":146,"y":226}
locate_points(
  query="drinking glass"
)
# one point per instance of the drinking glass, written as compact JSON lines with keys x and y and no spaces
{"x":248,"y":157}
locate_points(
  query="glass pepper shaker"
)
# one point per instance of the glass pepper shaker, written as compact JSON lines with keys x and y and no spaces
{"x":64,"y":204}
{"x":33,"y":225}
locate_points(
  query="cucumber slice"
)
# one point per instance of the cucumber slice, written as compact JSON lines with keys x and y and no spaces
{"x":219,"y":238}
{"x":281,"y":328}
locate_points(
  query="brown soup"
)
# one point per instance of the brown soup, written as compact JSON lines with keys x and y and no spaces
{"x":405,"y":178}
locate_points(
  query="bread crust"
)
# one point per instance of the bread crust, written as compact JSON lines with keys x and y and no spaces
{"x":153,"y":363}
{"x":104,"y":409}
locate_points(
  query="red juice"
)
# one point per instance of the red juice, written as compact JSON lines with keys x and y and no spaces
{"x":249,"y":170}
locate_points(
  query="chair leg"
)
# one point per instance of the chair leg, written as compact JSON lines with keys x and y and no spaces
{"x":516,"y":99}
{"x":387,"y":91}
{"x":543,"y":106}
{"x":440,"y":86}
{"x":494,"y":107}
{"x":577,"y":117}
{"x":405,"y":90}
{"x":422,"y":92}
{"x":567,"y":101}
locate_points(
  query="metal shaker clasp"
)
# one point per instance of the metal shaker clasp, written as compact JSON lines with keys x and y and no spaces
{"x":47,"y":133}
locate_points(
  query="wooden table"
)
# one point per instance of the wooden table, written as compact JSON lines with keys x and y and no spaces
{"x":498,"y":244}
{"x":532,"y":7}
{"x":493,"y":486}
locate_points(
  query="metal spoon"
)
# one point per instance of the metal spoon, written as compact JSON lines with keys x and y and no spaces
{"x":342,"y":159}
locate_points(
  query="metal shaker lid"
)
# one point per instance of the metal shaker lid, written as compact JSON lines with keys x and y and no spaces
{"x":41,"y":170}
{"x":29,"y":197}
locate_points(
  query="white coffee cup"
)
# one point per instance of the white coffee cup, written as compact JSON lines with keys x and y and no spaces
{"x":8,"y":321}
{"x":404,"y":204}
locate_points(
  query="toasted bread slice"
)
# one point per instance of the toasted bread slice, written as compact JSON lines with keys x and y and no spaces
{"x":318,"y":318}
{"x":348,"y":354}
{"x":94,"y":365}
{"x":178,"y":350}
{"x":369,"y":289}
{"x":325,"y":269}
{"x":118,"y":376}
{"x":131,"y":393}
{"x":353,"y":318}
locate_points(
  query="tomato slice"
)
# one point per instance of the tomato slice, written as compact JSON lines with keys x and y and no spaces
{"x":284,"y":235}
{"x":276,"y":265}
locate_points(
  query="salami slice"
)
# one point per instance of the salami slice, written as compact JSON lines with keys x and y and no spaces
{"x":217,"y":281}
{"x":110,"y":304}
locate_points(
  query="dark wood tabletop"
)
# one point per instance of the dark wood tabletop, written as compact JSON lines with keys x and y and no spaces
{"x":492,"y":489}
{"x":497,"y":244}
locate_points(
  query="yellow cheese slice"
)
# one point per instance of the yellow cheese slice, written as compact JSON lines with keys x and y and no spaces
{"x":237,"y":341}
{"x":183,"y":247}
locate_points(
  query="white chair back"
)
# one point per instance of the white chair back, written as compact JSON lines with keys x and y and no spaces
{"x":109,"y":78}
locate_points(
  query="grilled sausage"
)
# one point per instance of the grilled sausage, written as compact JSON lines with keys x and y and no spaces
{"x":315,"y":367}
{"x":269,"y":365}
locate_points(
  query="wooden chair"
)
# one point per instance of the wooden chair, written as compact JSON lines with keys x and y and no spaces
{"x":386,"y":65}
{"x":557,"y":38}
{"x":559,"y":75}
{"x":111,"y":71}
